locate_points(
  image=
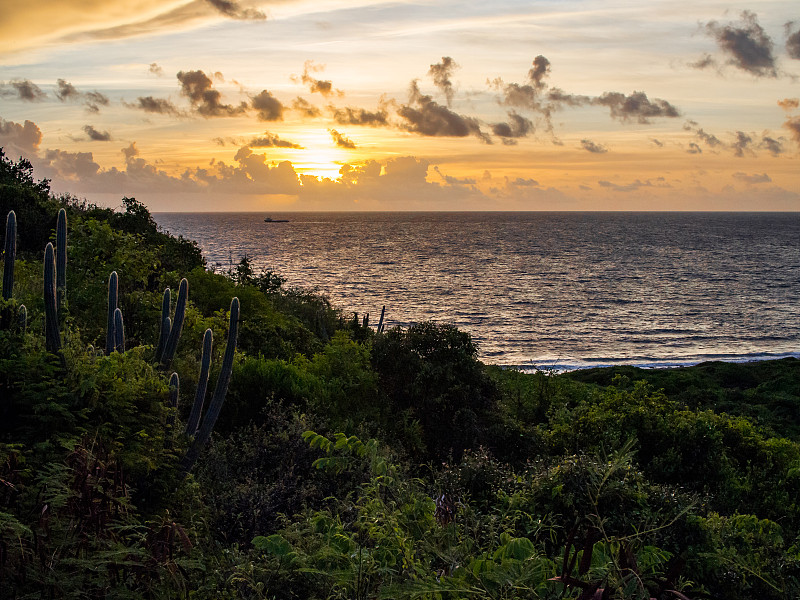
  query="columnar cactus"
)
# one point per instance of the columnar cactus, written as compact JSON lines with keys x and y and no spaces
{"x":365,"y":321}
{"x":380,"y":323}
{"x":177,"y":324}
{"x":9,"y":255}
{"x":166,"y":325}
{"x":61,"y":257}
{"x":113,"y":291}
{"x":119,"y":331}
{"x":202,"y":384}
{"x":218,"y":397}
{"x":174,"y":392}
{"x":52,"y":335}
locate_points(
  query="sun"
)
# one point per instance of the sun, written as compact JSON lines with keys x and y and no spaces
{"x":320,"y":156}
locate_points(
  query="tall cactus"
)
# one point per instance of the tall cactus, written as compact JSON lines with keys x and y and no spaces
{"x":218,"y":397}
{"x":202,"y":384}
{"x":174,"y":392}
{"x":166,"y":325}
{"x":113,"y":291}
{"x":52,"y":335}
{"x":9,"y":255}
{"x":177,"y":324}
{"x":380,"y":323}
{"x":365,"y":321}
{"x":61,"y":257}
{"x":119,"y":331}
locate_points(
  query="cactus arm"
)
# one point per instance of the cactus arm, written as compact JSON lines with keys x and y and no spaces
{"x":9,"y":255}
{"x":202,"y":384}
{"x":113,"y":290}
{"x":218,"y":396}
{"x":380,"y":323}
{"x":174,"y":392}
{"x":177,"y":324}
{"x":166,"y":324}
{"x":119,"y":331}
{"x":52,"y":335}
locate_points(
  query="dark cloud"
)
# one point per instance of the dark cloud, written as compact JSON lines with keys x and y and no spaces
{"x":708,"y":139}
{"x":155,"y":69}
{"x":793,"y":125}
{"x":425,"y":116}
{"x":207,"y":101}
{"x":789,"y":103}
{"x":441,"y":74}
{"x":450,"y":180}
{"x":742,"y":144}
{"x":92,"y":100}
{"x":520,"y":182}
{"x":773,"y":146}
{"x":792,"y":41}
{"x":24,"y":89}
{"x":341,"y":140}
{"x":540,"y":70}
{"x":234,"y":11}
{"x":160,"y":106}
{"x":636,"y":106}
{"x":95,"y":135}
{"x":358,"y":116}
{"x":305,"y":108}
{"x":658,"y":143}
{"x":694,"y":148}
{"x":592,"y":147}
{"x":516,"y":127}
{"x":752,"y":179}
{"x":267,"y":106}
{"x":320,"y":86}
{"x":270,"y":140}
{"x":66,"y":91}
{"x":745,"y":44}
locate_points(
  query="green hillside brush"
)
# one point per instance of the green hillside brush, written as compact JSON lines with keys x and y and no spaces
{"x":171,"y":345}
{"x":9,"y":255}
{"x":23,"y":318}
{"x":166,"y":325}
{"x":113,"y":291}
{"x":119,"y":331}
{"x":61,"y":257}
{"x":174,"y":393}
{"x":202,"y":384}
{"x":218,"y":397}
{"x":52,"y":335}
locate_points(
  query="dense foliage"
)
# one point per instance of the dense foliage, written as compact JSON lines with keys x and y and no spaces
{"x":347,"y":463}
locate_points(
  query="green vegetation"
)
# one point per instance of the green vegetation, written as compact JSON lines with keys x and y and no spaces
{"x":331,"y":461}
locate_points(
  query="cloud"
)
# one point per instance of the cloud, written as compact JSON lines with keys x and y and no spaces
{"x":24,"y":89}
{"x":95,"y":135}
{"x":659,"y":182}
{"x":320,"y":86}
{"x":516,"y":127}
{"x":155,"y":69}
{"x":694,"y":148}
{"x":149,"y":104}
{"x":358,"y":116}
{"x":270,"y":140}
{"x":65,"y":91}
{"x":742,"y":144}
{"x":457,"y":181}
{"x":772,"y":145}
{"x":207,"y":101}
{"x":792,"y":41}
{"x":657,"y":142}
{"x":637,"y":106}
{"x":752,"y":179}
{"x":20,"y":139}
{"x":793,"y":125}
{"x":521,"y":182}
{"x":788,"y":104}
{"x":267,"y":106}
{"x":745,"y":44}
{"x":234,"y":11}
{"x":425,"y":116}
{"x":94,"y":100}
{"x":341,"y":141}
{"x":441,"y":73}
{"x":590,"y":146}
{"x":305,"y":108}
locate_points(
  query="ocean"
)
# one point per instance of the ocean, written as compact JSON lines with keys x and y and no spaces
{"x":542,"y":290}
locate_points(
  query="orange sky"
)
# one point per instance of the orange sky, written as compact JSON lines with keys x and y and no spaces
{"x":292,"y":105}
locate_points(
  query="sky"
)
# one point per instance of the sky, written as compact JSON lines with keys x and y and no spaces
{"x":292,"y":105}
